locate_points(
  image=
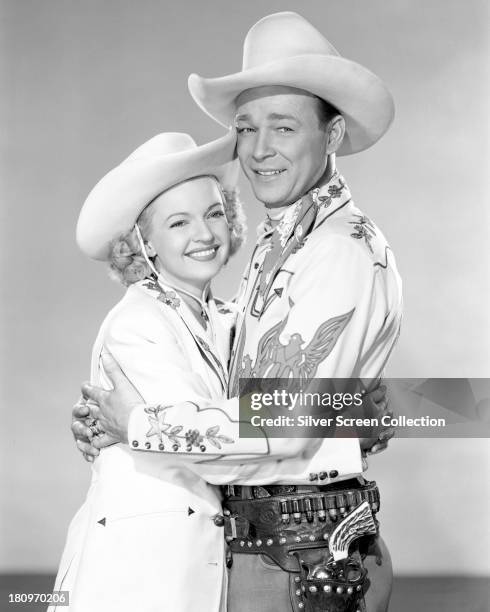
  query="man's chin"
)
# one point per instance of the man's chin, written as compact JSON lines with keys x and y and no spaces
{"x":268,"y":198}
{"x":275,"y":197}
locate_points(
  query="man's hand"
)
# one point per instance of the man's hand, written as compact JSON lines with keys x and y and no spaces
{"x":81,"y":432}
{"x":376,"y":405}
{"x":111,"y":409}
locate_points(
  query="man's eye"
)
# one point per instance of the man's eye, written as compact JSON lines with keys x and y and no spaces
{"x":244,"y":130}
{"x":284,"y":129}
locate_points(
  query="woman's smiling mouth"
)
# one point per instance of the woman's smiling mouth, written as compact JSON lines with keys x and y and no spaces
{"x":206,"y":254}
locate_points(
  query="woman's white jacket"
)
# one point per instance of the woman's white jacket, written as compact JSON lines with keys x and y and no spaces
{"x":145,"y":539}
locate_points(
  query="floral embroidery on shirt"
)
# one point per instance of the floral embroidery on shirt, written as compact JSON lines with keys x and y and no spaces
{"x":173,"y":433}
{"x":167,"y":297}
{"x":285,"y":227}
{"x":333,"y":191}
{"x":364,"y":230}
{"x":301,"y":237}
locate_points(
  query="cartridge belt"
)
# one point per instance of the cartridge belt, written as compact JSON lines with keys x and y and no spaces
{"x":279,"y":525}
{"x":258,"y":492}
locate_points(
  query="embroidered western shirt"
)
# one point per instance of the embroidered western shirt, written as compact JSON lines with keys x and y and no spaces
{"x":321,"y":299}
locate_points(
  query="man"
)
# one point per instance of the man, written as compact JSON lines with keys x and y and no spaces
{"x":321,"y":299}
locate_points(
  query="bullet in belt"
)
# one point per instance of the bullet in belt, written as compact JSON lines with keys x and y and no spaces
{"x":296,"y":511}
{"x":351,"y":498}
{"x":285,"y":518}
{"x":341,"y":503}
{"x":308,"y":509}
{"x":320,"y":509}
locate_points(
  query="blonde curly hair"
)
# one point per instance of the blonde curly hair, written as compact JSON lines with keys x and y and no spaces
{"x":127,"y":264}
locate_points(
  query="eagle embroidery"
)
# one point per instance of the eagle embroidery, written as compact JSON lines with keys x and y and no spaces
{"x":292,"y":360}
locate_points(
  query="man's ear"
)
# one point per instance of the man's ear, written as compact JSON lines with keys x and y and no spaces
{"x":336,"y":131}
{"x":150,"y":249}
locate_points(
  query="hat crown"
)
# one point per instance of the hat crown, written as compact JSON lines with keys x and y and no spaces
{"x":167,"y":143}
{"x":283,"y":35}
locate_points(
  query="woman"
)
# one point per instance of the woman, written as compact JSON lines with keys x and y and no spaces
{"x":147,"y":525}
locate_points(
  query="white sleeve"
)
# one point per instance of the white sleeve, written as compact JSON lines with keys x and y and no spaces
{"x":151,"y":357}
{"x":336,"y":299}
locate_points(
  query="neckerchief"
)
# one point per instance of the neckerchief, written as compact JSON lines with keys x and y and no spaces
{"x":298,"y":221}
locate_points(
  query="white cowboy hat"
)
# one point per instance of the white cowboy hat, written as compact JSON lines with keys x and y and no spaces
{"x":285,"y":49}
{"x":115,"y":203}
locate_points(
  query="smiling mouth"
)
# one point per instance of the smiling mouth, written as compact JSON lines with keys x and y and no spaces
{"x":268,"y":173}
{"x":203,"y":254}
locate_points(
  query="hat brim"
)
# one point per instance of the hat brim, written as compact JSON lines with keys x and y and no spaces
{"x":115,"y":203}
{"x":362,"y":98}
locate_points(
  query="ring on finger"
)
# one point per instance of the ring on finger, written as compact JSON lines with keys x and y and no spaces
{"x":95,"y":428}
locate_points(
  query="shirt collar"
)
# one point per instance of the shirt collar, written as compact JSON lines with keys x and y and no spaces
{"x":331,"y":195}
{"x":327,"y":198}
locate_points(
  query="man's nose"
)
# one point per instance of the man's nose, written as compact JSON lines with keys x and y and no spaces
{"x":262,"y":146}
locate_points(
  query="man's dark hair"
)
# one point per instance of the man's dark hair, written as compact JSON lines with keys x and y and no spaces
{"x":326,"y":111}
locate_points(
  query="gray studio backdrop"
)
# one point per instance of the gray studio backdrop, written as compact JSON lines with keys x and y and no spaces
{"x":83,"y":83}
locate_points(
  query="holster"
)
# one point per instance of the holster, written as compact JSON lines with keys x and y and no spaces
{"x":317,"y":535}
{"x":323,"y":585}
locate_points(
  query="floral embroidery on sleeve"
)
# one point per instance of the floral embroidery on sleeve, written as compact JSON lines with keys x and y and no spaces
{"x":173,"y":433}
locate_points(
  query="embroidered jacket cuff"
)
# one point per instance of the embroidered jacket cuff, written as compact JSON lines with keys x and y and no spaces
{"x":187,"y":430}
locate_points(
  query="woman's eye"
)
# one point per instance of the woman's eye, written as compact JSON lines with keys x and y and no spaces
{"x":177,"y":224}
{"x":217,"y":214}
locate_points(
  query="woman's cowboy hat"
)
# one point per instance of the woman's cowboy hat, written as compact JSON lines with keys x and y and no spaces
{"x":285,"y":49}
{"x":165,"y":160}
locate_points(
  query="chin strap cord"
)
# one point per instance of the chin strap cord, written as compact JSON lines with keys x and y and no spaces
{"x":143,"y":249}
